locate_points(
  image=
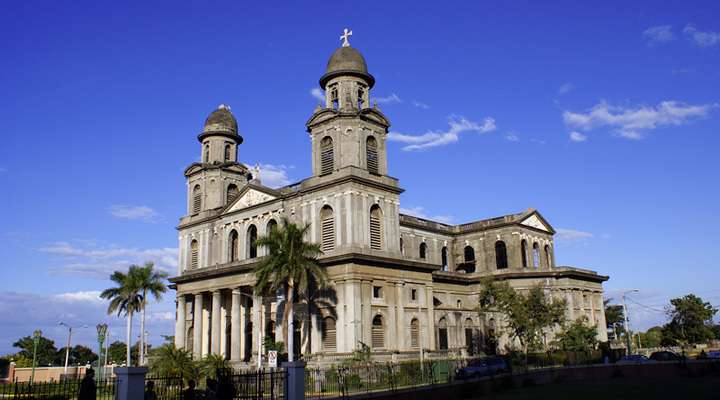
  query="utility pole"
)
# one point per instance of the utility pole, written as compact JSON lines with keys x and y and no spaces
{"x":628,"y":338}
{"x":67,"y":349}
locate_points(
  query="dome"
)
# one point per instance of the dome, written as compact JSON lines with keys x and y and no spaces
{"x":221,"y":120}
{"x":346,"y":61}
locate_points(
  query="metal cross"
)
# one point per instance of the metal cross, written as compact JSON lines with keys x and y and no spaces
{"x":345,"y":36}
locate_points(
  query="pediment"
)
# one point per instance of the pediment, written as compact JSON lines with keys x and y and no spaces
{"x":536,"y":222}
{"x":249,"y":198}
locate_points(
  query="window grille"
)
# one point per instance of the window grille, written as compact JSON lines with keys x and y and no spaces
{"x":378,"y":333}
{"x":194,"y":254}
{"x":197,"y":200}
{"x":375,"y":228}
{"x":327,"y":224}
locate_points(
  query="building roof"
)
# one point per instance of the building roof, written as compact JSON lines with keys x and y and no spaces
{"x":221,"y":120}
{"x":484,"y":224}
{"x":346,"y":61}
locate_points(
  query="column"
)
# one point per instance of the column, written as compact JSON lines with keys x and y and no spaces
{"x":180,"y":322}
{"x":197,"y":326}
{"x":206,"y":328}
{"x":366,"y":296}
{"x":430,"y":341}
{"x":243,"y":327}
{"x":215,"y":320}
{"x":235,"y":326}
{"x":400,"y":316}
{"x":256,"y":322}
{"x":223,"y":326}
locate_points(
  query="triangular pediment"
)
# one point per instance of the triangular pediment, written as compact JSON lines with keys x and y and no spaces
{"x":250,"y":197}
{"x":537,"y":222}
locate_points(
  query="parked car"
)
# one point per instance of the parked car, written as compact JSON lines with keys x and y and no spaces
{"x":634,"y":359}
{"x":714,"y":355}
{"x":665,"y":356}
{"x":483,"y":367}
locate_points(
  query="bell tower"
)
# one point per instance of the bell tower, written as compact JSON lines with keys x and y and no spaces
{"x":218,"y":177}
{"x":348,"y":133}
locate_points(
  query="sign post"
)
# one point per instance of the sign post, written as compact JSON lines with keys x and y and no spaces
{"x":272,"y":358}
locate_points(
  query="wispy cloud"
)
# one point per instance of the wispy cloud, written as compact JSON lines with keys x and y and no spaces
{"x":89,"y":259}
{"x":577,"y":137}
{"x":274,"y":175}
{"x":512,"y":137}
{"x":143,"y":213}
{"x":565,"y":88}
{"x":82,"y":296}
{"x":419,"y":104}
{"x":659,"y":34}
{"x":318,"y":94}
{"x":420,"y":213}
{"x":458,"y":126}
{"x":391,"y":99}
{"x":572,"y":235}
{"x":703,"y":39}
{"x":633,"y":123}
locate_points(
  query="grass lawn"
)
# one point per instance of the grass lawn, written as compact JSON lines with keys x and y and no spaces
{"x":707,"y":387}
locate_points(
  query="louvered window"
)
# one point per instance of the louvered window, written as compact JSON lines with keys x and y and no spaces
{"x":329,"y":334}
{"x":378,"y":333}
{"x":375,"y":228}
{"x":414,"y":334}
{"x":423,"y":250}
{"x":327,"y":223}
{"x":372,"y":155}
{"x":327,"y":156}
{"x":197,"y":199}
{"x":227,"y":152}
{"x":194,"y":254}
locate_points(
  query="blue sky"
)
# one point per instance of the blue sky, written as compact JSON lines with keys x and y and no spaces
{"x":603,"y":115}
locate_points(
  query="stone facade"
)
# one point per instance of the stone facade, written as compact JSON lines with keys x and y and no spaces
{"x":401,"y":282}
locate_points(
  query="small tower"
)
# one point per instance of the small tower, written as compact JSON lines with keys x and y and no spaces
{"x":218,"y":177}
{"x":348,"y":132}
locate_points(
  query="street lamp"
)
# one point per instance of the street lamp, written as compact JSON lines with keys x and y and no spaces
{"x":67,"y":349}
{"x":628,"y":338}
{"x":102,"y":333}
{"x":36,"y":338}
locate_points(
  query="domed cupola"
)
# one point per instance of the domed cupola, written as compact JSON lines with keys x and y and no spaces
{"x":219,"y":137}
{"x":220,"y":121}
{"x":347,"y":60}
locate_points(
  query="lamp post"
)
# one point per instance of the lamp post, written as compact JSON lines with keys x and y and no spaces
{"x":67,"y":349}
{"x":102,"y":333}
{"x":628,"y":338}
{"x":36,"y":338}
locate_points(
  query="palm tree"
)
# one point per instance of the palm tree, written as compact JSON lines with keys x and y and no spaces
{"x":150,"y":282}
{"x":168,"y":360}
{"x":124,"y":298}
{"x":290,"y":266}
{"x":212,"y":365}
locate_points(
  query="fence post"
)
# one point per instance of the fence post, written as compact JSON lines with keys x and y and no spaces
{"x":130,"y":383}
{"x":295,"y":380}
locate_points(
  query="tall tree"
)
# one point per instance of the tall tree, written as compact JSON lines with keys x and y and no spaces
{"x":116,"y":352}
{"x":690,"y":320}
{"x":168,"y":360}
{"x":151,"y":283}
{"x":125,"y":298}
{"x":614,"y":317}
{"x":579,"y":335}
{"x":46,"y":349}
{"x":527,"y":316}
{"x":290,"y":265}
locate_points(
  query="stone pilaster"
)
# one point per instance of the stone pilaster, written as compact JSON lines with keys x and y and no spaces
{"x":180,"y":322}
{"x":235,"y":316}
{"x":216,"y":323}
{"x":197,"y":326}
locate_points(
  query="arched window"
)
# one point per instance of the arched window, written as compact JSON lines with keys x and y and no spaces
{"x":375,"y":227}
{"x":329,"y":334}
{"x":459,"y":303}
{"x":327,"y":156}
{"x":232,"y":192}
{"x":206,"y":154}
{"x":414,"y":333}
{"x":536,"y":255}
{"x":327,"y":224}
{"x":444,"y":258}
{"x":227,"y":152}
{"x":402,"y":247}
{"x":423,"y":250}
{"x":371,"y":148}
{"x":334,"y":97}
{"x":251,"y":241}
{"x":197,"y":199}
{"x":548,"y":257}
{"x":194,"y":254}
{"x":442,"y":334}
{"x":272,"y":224}
{"x":469,"y":254}
{"x":523,"y":250}
{"x":234,"y":245}
{"x":501,"y":261}
{"x":378,"y":333}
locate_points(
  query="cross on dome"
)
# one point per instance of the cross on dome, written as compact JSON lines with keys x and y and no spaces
{"x":345,"y":36}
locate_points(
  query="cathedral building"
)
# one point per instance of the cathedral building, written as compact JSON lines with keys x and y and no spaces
{"x":401,"y":283}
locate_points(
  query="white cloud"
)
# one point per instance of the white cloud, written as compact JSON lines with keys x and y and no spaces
{"x":420,"y":105}
{"x":659,"y":34}
{"x":318,"y":94}
{"x":632,"y":123}
{"x":86,"y":296}
{"x":274,"y":176}
{"x":566,"y":88}
{"x":458,"y":125}
{"x":143,"y":213}
{"x":420,"y":213}
{"x":577,"y":136}
{"x":392,"y":99}
{"x":92,"y":260}
{"x":703,"y":39}
{"x":572,"y":235}
{"x":511,"y":136}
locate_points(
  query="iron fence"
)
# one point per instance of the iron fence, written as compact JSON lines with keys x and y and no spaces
{"x":372,"y":377}
{"x":255,"y":385}
{"x":56,"y":390}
